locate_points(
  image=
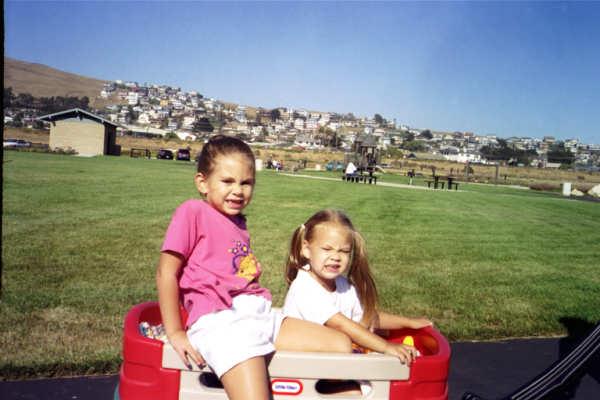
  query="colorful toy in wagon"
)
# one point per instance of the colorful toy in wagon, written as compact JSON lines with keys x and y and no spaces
{"x":152,"y":370}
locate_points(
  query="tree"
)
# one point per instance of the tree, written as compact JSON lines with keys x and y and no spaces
{"x":427,"y":134}
{"x":558,"y":154}
{"x":275,"y":114}
{"x":202,"y":125}
{"x":164,"y":124}
{"x":24,"y":100}
{"x":8,"y":97}
{"x":414,"y":145}
{"x":525,"y":156}
{"x":133,"y":114}
{"x":18,"y":120}
{"x":331,"y":136}
{"x":499,"y":152}
{"x":171,"y":136}
{"x":379,"y":119}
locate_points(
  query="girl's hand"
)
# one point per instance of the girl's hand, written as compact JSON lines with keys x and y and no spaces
{"x":405,"y":353}
{"x":418,"y":323}
{"x":184,"y":349}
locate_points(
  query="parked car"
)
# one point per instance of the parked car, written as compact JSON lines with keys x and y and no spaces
{"x":183,"y":154}
{"x":165,"y":154}
{"x":16,"y":143}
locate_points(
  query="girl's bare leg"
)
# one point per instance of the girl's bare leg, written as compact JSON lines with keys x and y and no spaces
{"x":300,"y":335}
{"x":247,"y":380}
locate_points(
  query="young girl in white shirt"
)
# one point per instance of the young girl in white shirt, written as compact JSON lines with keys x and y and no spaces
{"x":323,"y":250}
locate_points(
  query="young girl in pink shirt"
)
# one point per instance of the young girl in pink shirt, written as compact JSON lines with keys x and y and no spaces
{"x":207,"y":265}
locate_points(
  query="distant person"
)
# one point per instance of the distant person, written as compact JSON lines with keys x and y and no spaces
{"x":208,"y":265}
{"x":350,"y":168}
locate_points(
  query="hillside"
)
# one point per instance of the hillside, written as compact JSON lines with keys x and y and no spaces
{"x":43,"y":81}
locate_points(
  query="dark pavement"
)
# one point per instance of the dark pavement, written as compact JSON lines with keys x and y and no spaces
{"x":492,"y":370}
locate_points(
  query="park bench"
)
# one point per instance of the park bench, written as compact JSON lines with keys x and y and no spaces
{"x":360,"y":178}
{"x":135,"y":150}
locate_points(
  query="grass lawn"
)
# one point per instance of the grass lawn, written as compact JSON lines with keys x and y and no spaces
{"x":81,"y":240}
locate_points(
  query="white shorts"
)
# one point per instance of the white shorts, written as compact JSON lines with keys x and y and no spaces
{"x":226,"y":338}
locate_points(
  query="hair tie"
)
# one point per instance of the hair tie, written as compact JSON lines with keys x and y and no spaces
{"x":306,"y":267}
{"x":302,"y":227}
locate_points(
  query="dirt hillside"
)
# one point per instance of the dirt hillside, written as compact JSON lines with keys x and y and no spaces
{"x":42,"y":81}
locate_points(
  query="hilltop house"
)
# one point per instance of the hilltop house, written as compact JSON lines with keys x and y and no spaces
{"x":82,"y":131}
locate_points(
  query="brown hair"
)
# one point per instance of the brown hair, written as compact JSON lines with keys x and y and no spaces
{"x":220,"y":145}
{"x":359,"y":273}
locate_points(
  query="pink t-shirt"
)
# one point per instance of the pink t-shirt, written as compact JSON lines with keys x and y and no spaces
{"x":219,"y":263}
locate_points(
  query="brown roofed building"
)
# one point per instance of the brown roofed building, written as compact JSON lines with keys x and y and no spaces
{"x":86,"y":133}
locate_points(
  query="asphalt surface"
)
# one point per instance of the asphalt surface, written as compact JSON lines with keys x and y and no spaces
{"x":492,"y":370}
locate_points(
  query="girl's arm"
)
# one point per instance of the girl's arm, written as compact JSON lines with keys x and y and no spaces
{"x":168,"y":300}
{"x":391,"y":321}
{"x":364,"y":337}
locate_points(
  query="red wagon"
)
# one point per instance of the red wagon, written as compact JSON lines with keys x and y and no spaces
{"x":152,"y":370}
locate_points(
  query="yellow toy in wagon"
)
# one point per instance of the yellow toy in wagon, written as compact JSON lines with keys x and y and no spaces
{"x":152,"y":370}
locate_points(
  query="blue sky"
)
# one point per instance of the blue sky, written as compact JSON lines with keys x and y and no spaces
{"x":507,"y":68}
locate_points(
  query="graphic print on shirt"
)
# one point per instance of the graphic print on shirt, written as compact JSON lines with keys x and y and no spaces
{"x":244,"y":262}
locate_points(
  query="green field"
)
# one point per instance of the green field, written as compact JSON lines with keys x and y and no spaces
{"x":81,"y":239}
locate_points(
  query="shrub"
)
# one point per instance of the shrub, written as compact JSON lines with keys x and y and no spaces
{"x":546,"y":187}
{"x":583,"y":188}
{"x":43,"y":148}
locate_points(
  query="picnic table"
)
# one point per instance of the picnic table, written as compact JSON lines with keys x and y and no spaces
{"x":134,"y":152}
{"x":437,"y":182}
{"x":359,"y":176}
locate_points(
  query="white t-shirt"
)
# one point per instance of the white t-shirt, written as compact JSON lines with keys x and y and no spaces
{"x":308,"y":300}
{"x":351,"y":168}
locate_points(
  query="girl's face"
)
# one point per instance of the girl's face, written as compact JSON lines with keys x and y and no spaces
{"x":329,"y":252}
{"x":228,"y":188}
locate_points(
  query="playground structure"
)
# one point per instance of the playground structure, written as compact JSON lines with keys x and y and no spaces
{"x":152,"y":370}
{"x":365,"y":154}
{"x":360,"y":165}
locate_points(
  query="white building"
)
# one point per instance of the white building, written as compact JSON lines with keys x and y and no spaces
{"x":188,"y":122}
{"x":240,"y":114}
{"x":299,"y":124}
{"x":312,"y":123}
{"x":464,"y":157}
{"x":144,"y":118}
{"x":132,"y":98}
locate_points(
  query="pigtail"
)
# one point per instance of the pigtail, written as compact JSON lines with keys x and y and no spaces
{"x":360,"y":276}
{"x":295,"y":258}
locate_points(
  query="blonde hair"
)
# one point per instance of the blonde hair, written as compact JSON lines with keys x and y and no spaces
{"x":359,"y":273}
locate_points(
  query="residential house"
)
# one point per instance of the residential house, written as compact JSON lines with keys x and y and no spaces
{"x":572,"y":145}
{"x":240,"y":114}
{"x":299,"y":124}
{"x":133,"y":98}
{"x":188,"y":122}
{"x":312,"y":123}
{"x":144,"y":118}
